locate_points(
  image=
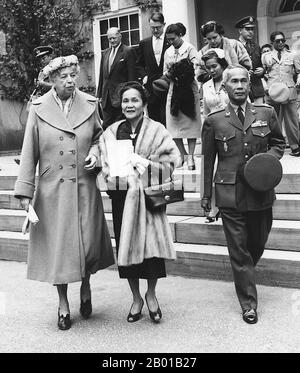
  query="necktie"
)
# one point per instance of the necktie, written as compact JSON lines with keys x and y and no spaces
{"x":111,"y":58}
{"x":279,"y":55}
{"x":157,"y":49}
{"x":240,"y":114}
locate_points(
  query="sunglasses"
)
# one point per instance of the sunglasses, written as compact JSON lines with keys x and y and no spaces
{"x":279,"y":41}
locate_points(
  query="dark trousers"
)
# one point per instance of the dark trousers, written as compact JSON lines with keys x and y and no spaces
{"x":111,"y":114}
{"x":157,"y":108}
{"x":246,"y":235}
{"x":291,"y":120}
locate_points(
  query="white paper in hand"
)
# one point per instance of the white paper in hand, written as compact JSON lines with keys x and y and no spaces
{"x":31,"y":217}
{"x":118,"y":154}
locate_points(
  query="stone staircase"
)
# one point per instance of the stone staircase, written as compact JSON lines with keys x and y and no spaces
{"x":200,"y":247}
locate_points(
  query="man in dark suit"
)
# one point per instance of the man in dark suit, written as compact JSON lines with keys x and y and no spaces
{"x":236,"y":134}
{"x":246,"y":28}
{"x":150,"y":61}
{"x":117,"y":67}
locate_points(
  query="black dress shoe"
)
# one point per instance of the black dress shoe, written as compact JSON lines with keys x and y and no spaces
{"x":86,"y":308}
{"x":156,"y":315}
{"x":250,"y":316}
{"x":136,"y":316}
{"x":64,"y":322}
{"x":295,"y":152}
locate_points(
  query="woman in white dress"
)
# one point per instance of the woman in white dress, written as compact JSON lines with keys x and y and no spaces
{"x":214,"y":97}
{"x":185,"y":121}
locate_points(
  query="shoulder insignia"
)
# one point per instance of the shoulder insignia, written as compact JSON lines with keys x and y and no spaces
{"x":263,"y":105}
{"x":215,"y":112}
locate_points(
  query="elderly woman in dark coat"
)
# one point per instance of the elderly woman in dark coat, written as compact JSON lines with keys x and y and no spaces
{"x":143,"y":237}
{"x":71,"y":240}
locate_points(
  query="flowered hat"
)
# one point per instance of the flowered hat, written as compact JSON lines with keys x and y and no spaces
{"x":59,"y":63}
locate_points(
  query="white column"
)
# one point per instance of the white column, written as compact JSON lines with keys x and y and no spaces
{"x":183,"y":11}
{"x":97,"y":51}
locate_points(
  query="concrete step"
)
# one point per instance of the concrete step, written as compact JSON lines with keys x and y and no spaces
{"x":286,"y":207}
{"x":276,"y":268}
{"x":285,"y":235}
{"x":12,"y":221}
{"x":192,"y":182}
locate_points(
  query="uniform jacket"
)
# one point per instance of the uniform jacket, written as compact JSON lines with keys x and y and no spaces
{"x":253,"y":49}
{"x":283,"y":70}
{"x":122,"y":70}
{"x":71,"y":237}
{"x":147,"y":63}
{"x":224,"y":135}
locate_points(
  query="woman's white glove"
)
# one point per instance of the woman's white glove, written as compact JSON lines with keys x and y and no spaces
{"x":90,"y":162}
{"x":140,"y":163}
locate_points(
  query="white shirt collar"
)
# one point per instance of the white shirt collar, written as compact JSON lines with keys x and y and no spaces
{"x":235,"y":107}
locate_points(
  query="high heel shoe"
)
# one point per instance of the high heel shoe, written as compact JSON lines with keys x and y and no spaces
{"x":64,"y":322}
{"x":211,"y":219}
{"x":154,"y":316}
{"x":86,"y":308}
{"x":191,"y":163}
{"x":136,"y":316}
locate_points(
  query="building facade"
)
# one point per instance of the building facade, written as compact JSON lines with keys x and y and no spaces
{"x":271,"y":15}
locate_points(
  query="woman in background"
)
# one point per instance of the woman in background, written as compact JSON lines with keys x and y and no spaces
{"x":234,"y":51}
{"x":183,"y":119}
{"x":214,"y":98}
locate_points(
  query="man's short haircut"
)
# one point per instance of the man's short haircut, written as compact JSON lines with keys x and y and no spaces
{"x":274,"y":34}
{"x":157,"y":17}
{"x":226,"y":73}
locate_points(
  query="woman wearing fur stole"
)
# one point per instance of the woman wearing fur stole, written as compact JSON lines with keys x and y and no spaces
{"x":143,"y":238}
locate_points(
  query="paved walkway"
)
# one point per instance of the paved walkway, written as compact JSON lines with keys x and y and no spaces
{"x":198,"y":316}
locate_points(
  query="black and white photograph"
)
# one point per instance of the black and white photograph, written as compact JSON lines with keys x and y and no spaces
{"x":149,"y":180}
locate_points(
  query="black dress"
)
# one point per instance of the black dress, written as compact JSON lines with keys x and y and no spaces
{"x":150,"y":268}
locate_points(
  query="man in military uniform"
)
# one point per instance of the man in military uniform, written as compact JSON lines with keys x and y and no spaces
{"x":236,"y":134}
{"x":246,"y":28}
{"x":282,"y":65}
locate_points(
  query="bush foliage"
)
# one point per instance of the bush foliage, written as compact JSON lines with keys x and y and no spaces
{"x":63,"y":24}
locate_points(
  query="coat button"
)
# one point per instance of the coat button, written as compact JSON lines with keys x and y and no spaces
{"x":73,"y":179}
{"x":74,"y":165}
{"x":61,"y":152}
{"x":61,"y":180}
{"x":73,"y":151}
{"x":60,"y":167}
{"x":61,"y":138}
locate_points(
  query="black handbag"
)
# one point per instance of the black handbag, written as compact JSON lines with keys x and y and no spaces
{"x":158,"y":196}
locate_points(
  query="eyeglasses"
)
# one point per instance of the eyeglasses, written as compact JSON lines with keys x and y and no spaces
{"x":277,"y":41}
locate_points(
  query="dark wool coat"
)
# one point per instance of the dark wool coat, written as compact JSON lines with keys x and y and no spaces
{"x":72,"y":237}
